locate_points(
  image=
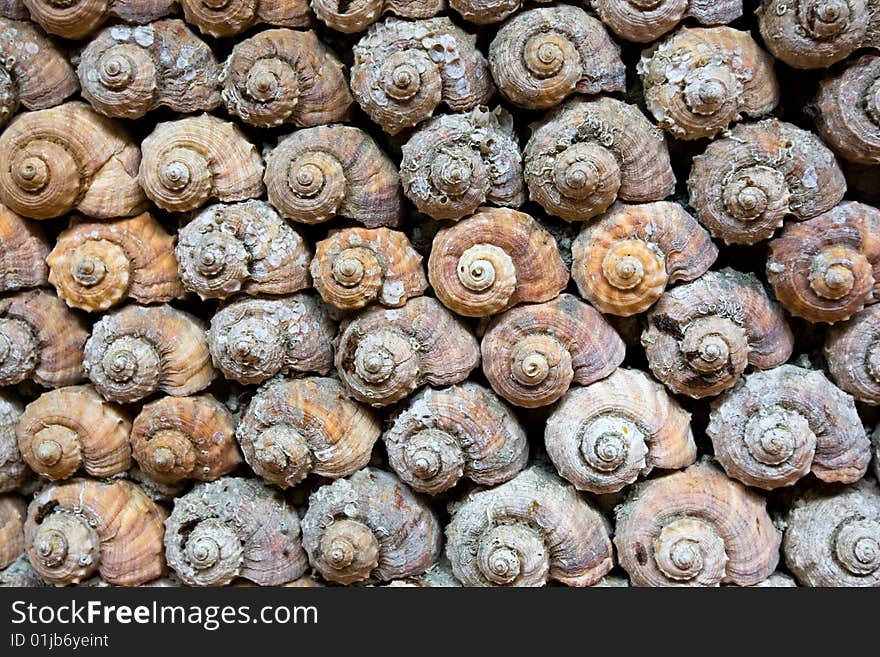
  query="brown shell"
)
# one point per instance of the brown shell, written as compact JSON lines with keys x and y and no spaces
{"x":744,"y":185}
{"x":700,"y":80}
{"x":14,"y":472}
{"x":852,"y":352}
{"x":384,"y":354}
{"x":643,"y":21}
{"x":12,"y":514}
{"x":223,"y":18}
{"x":623,"y":262}
{"x":23,"y":256}
{"x":701,"y":336}
{"x":532,"y":353}
{"x":404,"y":69}
{"x":357,"y":266}
{"x":20,"y":574}
{"x":481,"y":12}
{"x":77,"y":19}
{"x":828,"y":268}
{"x":586,"y":153}
{"x":358,"y":16}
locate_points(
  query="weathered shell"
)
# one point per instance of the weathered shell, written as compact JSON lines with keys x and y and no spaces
{"x":369,"y":525}
{"x":646,"y":20}
{"x":357,"y":266}
{"x":285,"y":76}
{"x":233,"y":528}
{"x":532,"y":353}
{"x":526,"y":532}
{"x":190,"y":160}
{"x":359,"y":15}
{"x":586,"y":153}
{"x":318,"y":173}
{"x":827,"y":269}
{"x":20,"y":574}
{"x":875,"y":438}
{"x":178,"y":438}
{"x":776,"y":580}
{"x":482,"y":12}
{"x":252,"y":340}
{"x":243,"y":247}
{"x":75,"y":19}
{"x":695,"y":528}
{"x":155,"y":490}
{"x":702,"y":335}
{"x":14,"y":472}
{"x":852,"y":352}
{"x":223,"y":18}
{"x":136,"y":351}
{"x":12,"y":514}
{"x":776,"y":426}
{"x":81,"y":526}
{"x":461,"y":431}
{"x":404,"y":69}
{"x":23,"y":256}
{"x":69,"y":157}
{"x":296,"y":427}
{"x":744,"y":185}
{"x":384,"y":354}
{"x":700,"y":80}
{"x":623,"y":262}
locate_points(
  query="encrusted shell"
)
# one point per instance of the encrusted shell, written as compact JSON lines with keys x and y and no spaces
{"x":14,"y":472}
{"x":76,"y":19}
{"x":23,"y":256}
{"x":852,"y":352}
{"x":358,"y":16}
{"x":482,"y":12}
{"x":12,"y":514}
{"x":223,"y":18}
{"x":643,"y":21}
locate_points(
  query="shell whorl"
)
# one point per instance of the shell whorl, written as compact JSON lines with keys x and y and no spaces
{"x":224,"y":18}
{"x":852,"y":352}
{"x":643,"y":21}
{"x":76,"y":19}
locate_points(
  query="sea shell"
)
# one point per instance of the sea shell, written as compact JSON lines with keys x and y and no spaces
{"x":223,"y":18}
{"x":647,"y":20}
{"x":852,"y":352}
{"x":12,"y":513}
{"x":14,"y":472}
{"x":358,"y":16}
{"x":76,"y":19}
{"x":23,"y":256}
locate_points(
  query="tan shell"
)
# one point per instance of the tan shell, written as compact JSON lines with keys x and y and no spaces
{"x":532,"y":353}
{"x":80,"y":527}
{"x":252,"y":340}
{"x":284,"y":76}
{"x":69,"y":157}
{"x":223,"y":18}
{"x":369,"y":525}
{"x":75,"y":19}
{"x":852,"y":352}
{"x":460,"y":431}
{"x":701,"y":336}
{"x":357,"y":266}
{"x":481,"y":12}
{"x":404,"y":69}
{"x":14,"y":472}
{"x":12,"y":514}
{"x":827,"y":269}
{"x":455,"y":163}
{"x":136,"y":351}
{"x":623,"y":262}
{"x":23,"y":256}
{"x":695,"y":528}
{"x":604,"y":436}
{"x":526,"y":532}
{"x":700,"y":80}
{"x":232,"y":528}
{"x":358,"y":16}
{"x":318,"y":173}
{"x":296,"y":427}
{"x":744,"y":185}
{"x":776,"y":581}
{"x":178,"y":438}
{"x":643,"y":21}
{"x":190,"y":160}
{"x":586,"y":153}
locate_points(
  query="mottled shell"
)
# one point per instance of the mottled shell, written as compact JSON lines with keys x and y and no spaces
{"x":23,"y":256}
{"x":744,"y":185}
{"x":461,"y":431}
{"x":526,"y":532}
{"x":318,"y":173}
{"x":20,"y":574}
{"x":369,"y":525}
{"x":852,"y":352}
{"x":296,"y":427}
{"x":12,"y":514}
{"x":623,"y":262}
{"x":776,"y":426}
{"x":776,"y":581}
{"x":285,"y":76}
{"x":76,"y":19}
{"x":700,"y":80}
{"x":586,"y":153}
{"x":14,"y":472}
{"x":695,"y":528}
{"x":233,"y":528}
{"x":80,"y":527}
{"x":826,"y":269}
{"x":190,"y":160}
{"x":243,"y":247}
{"x":532,"y":353}
{"x":384,"y":354}
{"x":701,"y":336}
{"x":358,"y":16}
{"x":223,"y":18}
{"x":482,"y":12}
{"x":252,"y":340}
{"x":455,"y":163}
{"x":357,"y":266}
{"x":404,"y":69}
{"x":178,"y":438}
{"x":875,"y":439}
{"x":643,"y":21}
{"x":136,"y":351}
{"x":69,"y":157}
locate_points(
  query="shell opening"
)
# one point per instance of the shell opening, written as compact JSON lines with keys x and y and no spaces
{"x":482,"y":265}
{"x":452,"y":170}
{"x":823,"y":19}
{"x":432,"y":455}
{"x":545,"y":54}
{"x":116,"y":70}
{"x":688,"y":548}
{"x":605,"y":442}
{"x":508,"y":554}
{"x":708,"y":90}
{"x":857,"y":545}
{"x":214,"y":550}
{"x":350,"y":546}
{"x":65,"y":548}
{"x":774,"y":436}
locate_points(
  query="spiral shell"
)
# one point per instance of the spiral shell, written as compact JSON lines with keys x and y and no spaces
{"x":318,"y":173}
{"x":12,"y":514}
{"x":23,"y":256}
{"x":223,"y":18}
{"x":359,"y":15}
{"x":369,"y":525}
{"x":852,"y":352}
{"x":700,"y":80}
{"x":252,"y":340}
{"x":623,"y":262}
{"x":744,"y":185}
{"x":586,"y":153}
{"x":702,"y":335}
{"x":481,"y":12}
{"x":190,"y":160}
{"x":404,"y":69}
{"x":643,"y":21}
{"x":232,"y":528}
{"x":76,"y":19}
{"x":136,"y":351}
{"x":14,"y":472}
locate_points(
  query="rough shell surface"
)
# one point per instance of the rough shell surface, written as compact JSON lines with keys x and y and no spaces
{"x":647,"y":20}
{"x":78,"y":19}
{"x":358,"y":16}
{"x":852,"y":353}
{"x":12,"y":514}
{"x":14,"y":472}
{"x":23,"y":257}
{"x":231,"y":17}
